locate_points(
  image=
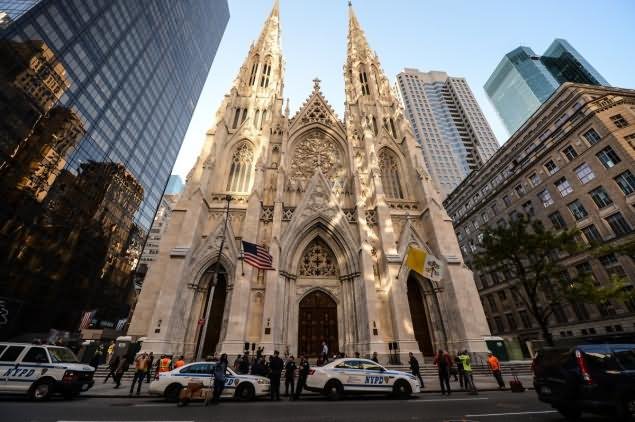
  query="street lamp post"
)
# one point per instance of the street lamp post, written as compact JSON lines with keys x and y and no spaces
{"x":208,"y":302}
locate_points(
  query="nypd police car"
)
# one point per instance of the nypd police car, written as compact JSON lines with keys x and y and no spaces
{"x":354,"y":375}
{"x":238,"y":386}
{"x":42,"y":370}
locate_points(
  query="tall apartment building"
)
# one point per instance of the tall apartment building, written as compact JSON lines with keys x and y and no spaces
{"x":95,"y":99}
{"x":175,"y":185}
{"x":571,"y":165}
{"x":523,"y":80}
{"x":448,"y":123}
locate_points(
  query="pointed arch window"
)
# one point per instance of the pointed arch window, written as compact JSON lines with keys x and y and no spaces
{"x":256,"y":117}
{"x":263,"y":118}
{"x":244,"y":116}
{"x":389,"y":168}
{"x":374,"y":122}
{"x":240,"y":170}
{"x":266,"y":73}
{"x":254,"y":71}
{"x":393,"y":130}
{"x":236,"y":118}
{"x":363,"y":79}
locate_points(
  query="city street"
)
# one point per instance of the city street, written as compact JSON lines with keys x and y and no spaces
{"x":488,"y":406}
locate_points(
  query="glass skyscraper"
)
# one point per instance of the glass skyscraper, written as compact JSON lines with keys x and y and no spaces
{"x":522,"y":81}
{"x":95,"y":99}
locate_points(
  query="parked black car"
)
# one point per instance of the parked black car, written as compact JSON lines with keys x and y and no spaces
{"x":595,"y":378}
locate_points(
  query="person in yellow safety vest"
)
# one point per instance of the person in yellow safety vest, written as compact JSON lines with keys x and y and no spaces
{"x":165,"y":364}
{"x":179,"y":362}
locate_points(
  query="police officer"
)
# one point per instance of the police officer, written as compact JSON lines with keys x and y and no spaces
{"x":243,"y":366}
{"x":289,"y":376}
{"x":303,"y":373}
{"x":414,"y":368}
{"x":275,"y":367}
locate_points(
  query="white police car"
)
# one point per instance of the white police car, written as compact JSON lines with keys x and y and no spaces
{"x":354,"y":375}
{"x":42,"y":370}
{"x":241,"y":387}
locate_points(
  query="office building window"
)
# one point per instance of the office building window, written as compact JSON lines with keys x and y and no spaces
{"x":618,"y":224}
{"x":525,"y":319}
{"x":551,"y":167}
{"x":563,"y":186}
{"x":534,"y":180}
{"x":492,"y":303}
{"x":570,"y":152}
{"x":600,"y":197}
{"x":528,"y":208}
{"x":578,"y":210}
{"x":626,"y":182}
{"x":545,"y":198}
{"x":592,"y":234}
{"x":511,"y":321}
{"x":520,"y":190}
{"x":592,"y":136}
{"x":584,"y":173}
{"x":507,"y":200}
{"x":499,"y":324}
{"x":619,"y":121}
{"x":608,"y":157}
{"x":557,"y":220}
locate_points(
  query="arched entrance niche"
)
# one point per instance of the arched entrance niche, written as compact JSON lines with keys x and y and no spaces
{"x":317,"y":322}
{"x":209,"y":336}
{"x":419,"y":315}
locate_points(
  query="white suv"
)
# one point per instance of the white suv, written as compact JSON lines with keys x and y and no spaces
{"x":42,"y":370}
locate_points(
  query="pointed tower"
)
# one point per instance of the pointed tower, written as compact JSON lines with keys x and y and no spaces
{"x":183,"y":297}
{"x":402,"y":207}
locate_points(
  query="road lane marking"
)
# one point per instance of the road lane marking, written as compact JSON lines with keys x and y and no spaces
{"x":536,"y":412}
{"x":444,"y":400}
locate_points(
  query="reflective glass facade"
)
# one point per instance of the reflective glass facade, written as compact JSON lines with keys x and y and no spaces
{"x":95,"y":99}
{"x":523,"y":80}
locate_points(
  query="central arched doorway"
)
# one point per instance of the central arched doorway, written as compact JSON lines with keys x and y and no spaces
{"x":420,"y":326}
{"x":218,"y":295}
{"x":317,"y":322}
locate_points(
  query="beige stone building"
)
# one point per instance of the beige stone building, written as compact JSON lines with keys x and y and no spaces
{"x":570,"y":165}
{"x":336,"y":202}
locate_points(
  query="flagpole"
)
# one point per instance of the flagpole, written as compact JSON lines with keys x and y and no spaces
{"x":242,"y":257}
{"x":212,"y":283}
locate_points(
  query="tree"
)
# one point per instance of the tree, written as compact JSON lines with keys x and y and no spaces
{"x":530,"y":256}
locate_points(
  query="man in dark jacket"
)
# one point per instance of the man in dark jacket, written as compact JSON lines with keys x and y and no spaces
{"x":303,"y":373}
{"x":112,"y":368}
{"x":275,"y":367}
{"x":414,"y":368}
{"x":289,"y":376}
{"x":243,"y":366}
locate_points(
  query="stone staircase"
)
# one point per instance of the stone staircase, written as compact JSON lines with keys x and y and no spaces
{"x":518,"y":368}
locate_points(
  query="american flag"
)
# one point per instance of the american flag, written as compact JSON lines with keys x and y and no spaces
{"x":87,"y":318}
{"x":257,"y":256}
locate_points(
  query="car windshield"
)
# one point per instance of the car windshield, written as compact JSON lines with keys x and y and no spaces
{"x":62,"y":355}
{"x":626,"y":357}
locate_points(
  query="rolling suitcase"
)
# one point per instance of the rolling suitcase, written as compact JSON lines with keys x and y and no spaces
{"x":515,"y":385}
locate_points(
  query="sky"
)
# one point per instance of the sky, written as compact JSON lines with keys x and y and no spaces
{"x":464,"y":38}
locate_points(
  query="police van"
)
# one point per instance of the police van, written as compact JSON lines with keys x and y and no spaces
{"x":354,"y":375}
{"x":238,"y":386}
{"x":42,"y":370}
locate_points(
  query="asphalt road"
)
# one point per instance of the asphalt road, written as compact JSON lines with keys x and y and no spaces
{"x":486,"y":407}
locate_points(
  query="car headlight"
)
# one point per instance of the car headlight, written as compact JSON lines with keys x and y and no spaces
{"x":263,"y":381}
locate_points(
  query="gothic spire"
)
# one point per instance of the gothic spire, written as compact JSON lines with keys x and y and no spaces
{"x":269,"y":39}
{"x":357,"y":43}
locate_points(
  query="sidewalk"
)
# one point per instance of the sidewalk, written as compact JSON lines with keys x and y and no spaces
{"x":483,"y":383}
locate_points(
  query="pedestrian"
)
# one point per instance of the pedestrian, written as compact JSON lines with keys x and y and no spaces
{"x":219,"y":377}
{"x":275,"y":372}
{"x":375,"y":358}
{"x":165,"y":365}
{"x":325,"y":353}
{"x":459,"y":370}
{"x":96,"y":359}
{"x":243,"y":368}
{"x":357,"y":355}
{"x":121,"y":369}
{"x":289,"y":377}
{"x":150,"y":366}
{"x":141,"y":371}
{"x":111,"y":350}
{"x":303,"y":373}
{"x":112,"y":368}
{"x":467,"y":372}
{"x":236,"y":364}
{"x":180,"y":362}
{"x":414,"y":367}
{"x":495,"y":367}
{"x":443,"y":363}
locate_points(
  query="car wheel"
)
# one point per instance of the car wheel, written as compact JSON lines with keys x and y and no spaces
{"x":172,"y":392}
{"x":569,"y":413}
{"x":626,"y":409}
{"x":401,"y":389}
{"x":245,"y":392}
{"x":41,"y":390}
{"x":333,"y":390}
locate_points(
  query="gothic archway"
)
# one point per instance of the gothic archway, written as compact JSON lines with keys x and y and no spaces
{"x":317,"y":322}
{"x":217,"y":294}
{"x":418,"y":315}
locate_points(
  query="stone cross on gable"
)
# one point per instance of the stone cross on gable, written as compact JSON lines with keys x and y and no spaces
{"x":316,"y":84}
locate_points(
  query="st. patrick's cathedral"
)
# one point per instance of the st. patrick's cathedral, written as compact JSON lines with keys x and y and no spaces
{"x":336,"y":202}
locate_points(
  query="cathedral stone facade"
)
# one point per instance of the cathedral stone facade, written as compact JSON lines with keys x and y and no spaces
{"x":336,"y":202}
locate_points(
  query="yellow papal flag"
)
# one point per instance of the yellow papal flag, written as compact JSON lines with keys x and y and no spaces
{"x":416,"y":259}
